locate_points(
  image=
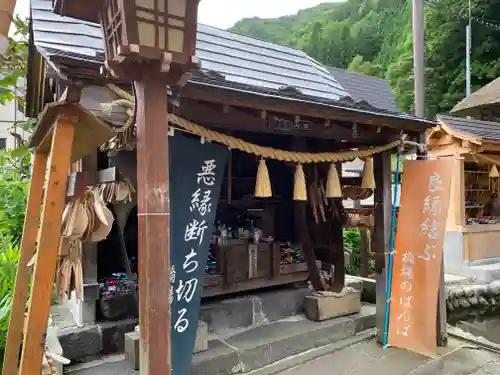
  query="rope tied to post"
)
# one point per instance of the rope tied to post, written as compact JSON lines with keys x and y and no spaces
{"x":126,"y":100}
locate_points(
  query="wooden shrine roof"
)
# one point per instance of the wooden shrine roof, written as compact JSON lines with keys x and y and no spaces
{"x":486,"y":96}
{"x":363,"y":88}
{"x":469,"y":129}
{"x":235,"y":64}
{"x":238,"y":59}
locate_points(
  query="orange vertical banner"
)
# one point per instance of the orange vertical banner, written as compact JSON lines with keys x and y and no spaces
{"x":419,"y":241}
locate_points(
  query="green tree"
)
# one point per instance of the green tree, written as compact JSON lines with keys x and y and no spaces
{"x":14,"y":174}
{"x":375,"y":37}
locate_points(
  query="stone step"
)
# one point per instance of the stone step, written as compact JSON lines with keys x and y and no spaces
{"x":81,"y":344}
{"x":240,"y":351}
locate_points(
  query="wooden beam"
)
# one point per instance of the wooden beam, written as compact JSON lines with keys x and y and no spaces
{"x":301,"y":108}
{"x":28,"y":241}
{"x":381,"y":234}
{"x":153,"y":198}
{"x":237,"y":119}
{"x":448,"y":150}
{"x":302,"y":230}
{"x":49,"y":238}
{"x":89,"y":253}
{"x":487,"y":146}
{"x":443,"y":140}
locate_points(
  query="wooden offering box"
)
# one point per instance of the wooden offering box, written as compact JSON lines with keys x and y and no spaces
{"x":244,"y":266}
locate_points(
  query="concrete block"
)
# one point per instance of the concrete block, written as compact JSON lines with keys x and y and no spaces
{"x":268,"y":343}
{"x":201,"y":343}
{"x":486,"y":274}
{"x":281,"y":304}
{"x":319,"y":308}
{"x":79,"y":343}
{"x":227,"y":314}
{"x":113,"y":335}
{"x":353,"y":283}
{"x":132,"y":341}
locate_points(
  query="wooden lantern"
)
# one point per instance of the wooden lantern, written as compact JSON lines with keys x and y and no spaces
{"x":160,"y":33}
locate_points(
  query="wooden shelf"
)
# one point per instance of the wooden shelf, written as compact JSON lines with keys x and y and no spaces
{"x":480,"y":228}
{"x":477,"y":189}
{"x":478,"y":206}
{"x":477,"y":172}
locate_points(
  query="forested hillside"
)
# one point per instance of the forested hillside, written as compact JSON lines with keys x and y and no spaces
{"x":374,"y":37}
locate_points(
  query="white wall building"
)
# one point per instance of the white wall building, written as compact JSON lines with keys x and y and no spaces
{"x":10,"y":115}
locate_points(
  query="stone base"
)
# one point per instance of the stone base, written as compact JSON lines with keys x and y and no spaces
{"x":319,"y":308}
{"x":201,"y":343}
{"x":132,"y":342}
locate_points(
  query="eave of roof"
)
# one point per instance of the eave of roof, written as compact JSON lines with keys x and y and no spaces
{"x":475,"y":131}
{"x":486,"y":96}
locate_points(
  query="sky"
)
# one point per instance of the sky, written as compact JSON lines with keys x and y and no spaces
{"x":225,"y":13}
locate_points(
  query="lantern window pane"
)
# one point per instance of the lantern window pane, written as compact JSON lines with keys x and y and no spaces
{"x":145,"y":15}
{"x":161,"y":5}
{"x":175,"y":40}
{"x":177,"y":8}
{"x":175,"y":22}
{"x":161,"y":35}
{"x":148,"y":4}
{"x":146,"y":34}
{"x":110,"y":15}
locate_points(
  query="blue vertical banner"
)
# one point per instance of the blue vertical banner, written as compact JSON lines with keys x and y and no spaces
{"x":196,"y":175}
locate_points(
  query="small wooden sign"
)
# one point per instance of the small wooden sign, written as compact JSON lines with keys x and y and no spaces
{"x":418,"y":255}
{"x":281,"y":124}
{"x":252,"y":260}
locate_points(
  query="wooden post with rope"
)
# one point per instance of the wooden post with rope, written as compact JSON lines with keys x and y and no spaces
{"x":66,"y":132}
{"x":27,"y":248}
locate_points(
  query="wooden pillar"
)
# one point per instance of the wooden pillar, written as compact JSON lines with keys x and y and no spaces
{"x":383,"y":212}
{"x":28,"y":241}
{"x":154,"y":226}
{"x":90,"y":291}
{"x":337,"y":245}
{"x":48,"y":242}
{"x":364,"y":246}
{"x":302,"y":230}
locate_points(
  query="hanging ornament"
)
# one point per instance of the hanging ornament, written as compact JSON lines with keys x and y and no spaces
{"x":333,"y":188}
{"x":263,"y":182}
{"x":494,"y":172}
{"x":368,"y":178}
{"x":299,"y":188}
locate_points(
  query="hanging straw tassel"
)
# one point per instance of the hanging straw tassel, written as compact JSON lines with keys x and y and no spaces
{"x":494,"y":172}
{"x":368,"y":178}
{"x":299,"y":188}
{"x":263,"y":183}
{"x":333,"y":188}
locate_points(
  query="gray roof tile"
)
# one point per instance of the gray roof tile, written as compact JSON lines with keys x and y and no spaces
{"x":486,"y":96}
{"x":229,"y":60}
{"x":471,"y":127}
{"x":239,"y":59}
{"x":373,"y":90}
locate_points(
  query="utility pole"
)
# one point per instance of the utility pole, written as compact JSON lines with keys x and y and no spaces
{"x":418,"y":56}
{"x":468,"y":44}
